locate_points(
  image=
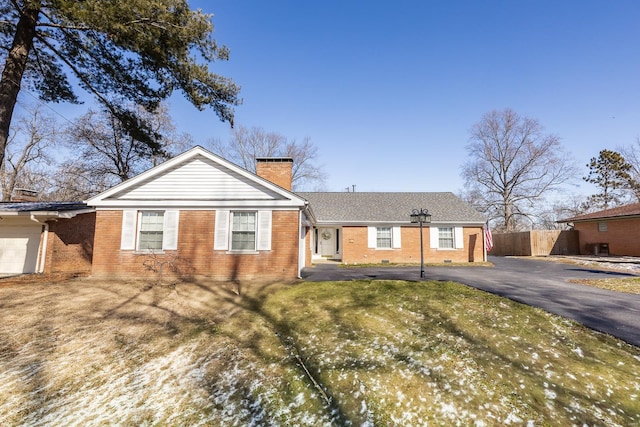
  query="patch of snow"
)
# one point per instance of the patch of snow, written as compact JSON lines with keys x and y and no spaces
{"x":512,"y":418}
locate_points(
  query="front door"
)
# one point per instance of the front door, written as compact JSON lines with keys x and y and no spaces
{"x":327,"y":241}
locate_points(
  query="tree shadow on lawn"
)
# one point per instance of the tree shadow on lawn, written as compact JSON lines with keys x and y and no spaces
{"x":217,"y":305}
{"x":56,"y":337}
{"x":140,"y":314}
{"x":502,"y":367}
{"x":252,"y":300}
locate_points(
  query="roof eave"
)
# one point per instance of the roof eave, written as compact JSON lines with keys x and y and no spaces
{"x":600,"y":218}
{"x":332,"y":223}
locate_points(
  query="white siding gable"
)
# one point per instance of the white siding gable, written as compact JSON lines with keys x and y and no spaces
{"x":198,"y":178}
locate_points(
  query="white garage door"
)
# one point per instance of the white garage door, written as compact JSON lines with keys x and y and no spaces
{"x":19,"y":246}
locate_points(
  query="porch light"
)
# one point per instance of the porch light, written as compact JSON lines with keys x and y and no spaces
{"x":419,"y":217}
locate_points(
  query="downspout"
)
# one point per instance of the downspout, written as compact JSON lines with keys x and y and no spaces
{"x":42,"y":250}
{"x":301,"y":254}
{"x":302,"y":238}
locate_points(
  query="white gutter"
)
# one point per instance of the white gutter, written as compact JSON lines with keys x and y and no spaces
{"x":49,"y":214}
{"x":42,"y":249}
{"x":72,"y":214}
{"x":301,"y":257}
{"x":45,"y":241}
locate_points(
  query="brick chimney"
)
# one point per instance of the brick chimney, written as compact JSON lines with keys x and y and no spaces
{"x":24,"y":195}
{"x":278,"y":170}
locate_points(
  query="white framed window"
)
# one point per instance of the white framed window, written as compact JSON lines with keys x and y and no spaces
{"x":243,"y":231}
{"x":149,"y":230}
{"x":445,"y":238}
{"x":602,"y":226}
{"x":383,"y":237}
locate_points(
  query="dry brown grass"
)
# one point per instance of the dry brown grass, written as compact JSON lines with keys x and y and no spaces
{"x":88,"y":352}
{"x":629,"y":285}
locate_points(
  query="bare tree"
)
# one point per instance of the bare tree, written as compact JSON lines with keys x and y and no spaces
{"x":108,"y":154}
{"x":27,"y":154}
{"x":73,"y":182}
{"x":161,"y":124}
{"x":246,"y":144}
{"x":563,"y":208}
{"x":632,"y":156}
{"x":513,"y":165}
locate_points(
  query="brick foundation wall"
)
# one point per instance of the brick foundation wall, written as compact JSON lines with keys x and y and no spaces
{"x":70,"y":244}
{"x":195,"y":255}
{"x":622,"y":236}
{"x":355,"y":250}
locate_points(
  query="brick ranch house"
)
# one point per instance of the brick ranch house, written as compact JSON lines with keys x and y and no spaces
{"x":614,"y":231}
{"x":202,"y":215}
{"x":358,"y":228}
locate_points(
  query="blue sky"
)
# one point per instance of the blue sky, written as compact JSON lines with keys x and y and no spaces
{"x":388,"y":91}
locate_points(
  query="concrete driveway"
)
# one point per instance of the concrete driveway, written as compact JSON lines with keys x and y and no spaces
{"x":537,"y":283}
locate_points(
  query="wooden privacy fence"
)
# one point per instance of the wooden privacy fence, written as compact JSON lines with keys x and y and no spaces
{"x":536,"y":243}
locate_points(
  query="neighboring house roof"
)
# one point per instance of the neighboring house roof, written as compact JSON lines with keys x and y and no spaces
{"x":350,"y":207}
{"x":48,"y":209}
{"x":196,"y":177}
{"x":617,"y":212}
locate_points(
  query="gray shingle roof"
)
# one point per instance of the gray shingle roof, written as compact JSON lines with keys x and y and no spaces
{"x":41,"y":206}
{"x":364,"y":207}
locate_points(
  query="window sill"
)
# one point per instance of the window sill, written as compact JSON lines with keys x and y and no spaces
{"x":149,"y":252}
{"x":242,"y":252}
{"x":385,"y":249}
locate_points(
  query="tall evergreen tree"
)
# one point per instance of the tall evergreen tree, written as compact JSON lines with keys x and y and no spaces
{"x":133,"y":50}
{"x":610,"y":172}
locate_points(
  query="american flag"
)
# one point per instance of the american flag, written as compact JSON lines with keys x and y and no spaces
{"x":488,"y":238}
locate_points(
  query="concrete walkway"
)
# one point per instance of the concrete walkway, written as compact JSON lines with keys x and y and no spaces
{"x":534,"y":282}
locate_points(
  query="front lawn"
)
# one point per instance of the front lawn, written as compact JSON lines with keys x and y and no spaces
{"x":368,"y":353}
